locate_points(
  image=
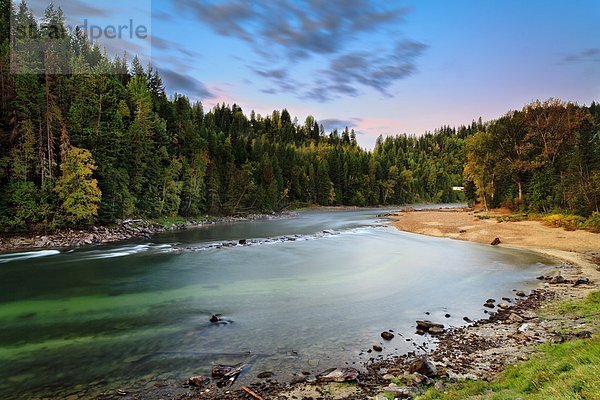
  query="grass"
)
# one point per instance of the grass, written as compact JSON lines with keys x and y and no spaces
{"x":568,"y":370}
{"x":569,"y":222}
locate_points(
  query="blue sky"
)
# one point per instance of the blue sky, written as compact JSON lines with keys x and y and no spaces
{"x":384,"y":67}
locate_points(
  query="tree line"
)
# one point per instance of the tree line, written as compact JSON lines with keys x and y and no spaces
{"x":95,"y":139}
{"x":542,"y":158}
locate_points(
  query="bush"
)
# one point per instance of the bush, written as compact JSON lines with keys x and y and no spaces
{"x":593,"y":222}
{"x":569,"y":222}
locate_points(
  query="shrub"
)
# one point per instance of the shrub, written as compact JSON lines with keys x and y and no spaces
{"x":569,"y":222}
{"x":593,"y":222}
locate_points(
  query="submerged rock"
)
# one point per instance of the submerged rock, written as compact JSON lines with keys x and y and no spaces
{"x":265,"y":374}
{"x":387,"y":335}
{"x":377,"y":347}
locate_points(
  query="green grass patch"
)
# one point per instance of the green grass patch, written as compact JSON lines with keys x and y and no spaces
{"x":512,"y":218}
{"x":564,"y":371}
{"x":586,"y":311}
{"x":568,"y":370}
{"x":167,"y":222}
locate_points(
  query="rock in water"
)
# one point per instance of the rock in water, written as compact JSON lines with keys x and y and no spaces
{"x":427,"y":325}
{"x":423,"y":366}
{"x":496,"y":242}
{"x":215,"y":318}
{"x":197,"y":381}
{"x":338,"y":375}
{"x":377,"y":347}
{"x":264,"y":375}
{"x":520,"y":293}
{"x":436,"y":330}
{"x":387,"y":335}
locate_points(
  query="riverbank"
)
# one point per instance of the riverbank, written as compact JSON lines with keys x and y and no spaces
{"x":516,"y":326}
{"x":123,"y":230}
{"x":579,"y":248}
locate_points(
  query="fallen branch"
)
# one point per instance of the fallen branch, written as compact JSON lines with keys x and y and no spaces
{"x":251,"y":393}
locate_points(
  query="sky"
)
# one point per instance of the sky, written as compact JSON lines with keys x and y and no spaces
{"x":379,"y":67}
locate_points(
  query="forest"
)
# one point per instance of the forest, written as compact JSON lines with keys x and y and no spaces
{"x":95,"y":139}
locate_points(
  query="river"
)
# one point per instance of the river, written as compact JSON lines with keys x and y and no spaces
{"x":81,"y":321}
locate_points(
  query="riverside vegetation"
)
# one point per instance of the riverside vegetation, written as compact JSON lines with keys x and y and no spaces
{"x":95,"y":140}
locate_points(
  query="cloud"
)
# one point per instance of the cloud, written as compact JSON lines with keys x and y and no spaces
{"x":72,"y":8}
{"x":350,"y":40}
{"x":179,"y":82}
{"x":330,"y":124}
{"x":168,"y":45}
{"x":587,"y":55}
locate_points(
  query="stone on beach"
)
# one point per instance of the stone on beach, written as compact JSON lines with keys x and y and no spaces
{"x":338,"y":375}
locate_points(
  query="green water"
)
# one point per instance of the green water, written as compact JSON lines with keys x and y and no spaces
{"x":89,"y":320}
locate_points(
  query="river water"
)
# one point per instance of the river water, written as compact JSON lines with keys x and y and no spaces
{"x":77,"y":322}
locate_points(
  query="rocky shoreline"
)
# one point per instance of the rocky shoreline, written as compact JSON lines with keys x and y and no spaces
{"x":123,"y":230}
{"x":476,"y":351}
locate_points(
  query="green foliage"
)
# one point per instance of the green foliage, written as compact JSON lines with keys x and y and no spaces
{"x":77,"y":190}
{"x":158,"y":156}
{"x":569,"y":222}
{"x":593,"y":222}
{"x":545,"y":157}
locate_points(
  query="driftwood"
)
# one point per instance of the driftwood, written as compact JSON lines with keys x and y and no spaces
{"x":227,"y":374}
{"x":251,"y":393}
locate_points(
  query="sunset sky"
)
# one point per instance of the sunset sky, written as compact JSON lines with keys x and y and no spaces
{"x":384,"y":67}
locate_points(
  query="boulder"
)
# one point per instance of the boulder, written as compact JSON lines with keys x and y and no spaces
{"x":515,"y":318}
{"x":265,"y":374}
{"x":503,"y":306}
{"x":582,"y":281}
{"x":496,"y":242}
{"x":427,"y":325}
{"x":401,"y":392}
{"x":583,"y":335}
{"x":423,"y":366}
{"x":557,"y":279}
{"x":338,"y":375}
{"x":436,"y":330}
{"x":528,"y":314}
{"x":521,"y":293}
{"x":215,"y":318}
{"x":377,"y":347}
{"x":242,"y":241}
{"x":421,"y":379}
{"x":387,"y":335}
{"x":489,"y":305}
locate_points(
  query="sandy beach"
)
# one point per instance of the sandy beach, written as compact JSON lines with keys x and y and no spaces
{"x":579,"y":248}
